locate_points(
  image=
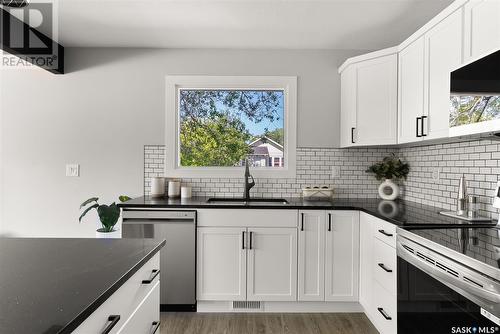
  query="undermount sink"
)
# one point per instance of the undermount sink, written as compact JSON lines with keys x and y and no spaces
{"x":247,"y":201}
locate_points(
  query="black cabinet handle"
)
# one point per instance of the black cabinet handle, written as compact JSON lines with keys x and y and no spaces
{"x":381,"y":265}
{"x":243,"y":240}
{"x":381,"y":310}
{"x":416,"y":125}
{"x":352,"y":136}
{"x":329,"y":222}
{"x":155,"y":273}
{"x":113,"y":320}
{"x":302,"y":221}
{"x":422,"y":121}
{"x":156,"y":325}
{"x":385,"y":233}
{"x":251,"y":241}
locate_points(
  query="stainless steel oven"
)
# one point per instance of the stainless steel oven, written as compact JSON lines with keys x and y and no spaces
{"x":439,"y":292}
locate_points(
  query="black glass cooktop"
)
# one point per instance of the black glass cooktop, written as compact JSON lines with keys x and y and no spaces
{"x":479,"y":243}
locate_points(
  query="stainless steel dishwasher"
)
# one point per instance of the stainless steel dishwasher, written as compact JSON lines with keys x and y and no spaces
{"x":177,"y":258}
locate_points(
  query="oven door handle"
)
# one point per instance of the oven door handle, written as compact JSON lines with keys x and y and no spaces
{"x":458,"y":282}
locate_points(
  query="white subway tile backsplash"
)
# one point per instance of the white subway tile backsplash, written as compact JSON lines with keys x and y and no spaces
{"x":478,"y":160}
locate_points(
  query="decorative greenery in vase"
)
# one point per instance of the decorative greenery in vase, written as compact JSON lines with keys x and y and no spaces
{"x":108,"y":214}
{"x":390,"y":168}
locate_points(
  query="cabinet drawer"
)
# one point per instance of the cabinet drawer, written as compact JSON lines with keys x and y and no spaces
{"x":384,"y":310}
{"x":247,"y":218}
{"x":384,"y":265}
{"x":145,"y":319}
{"x":385,"y":231}
{"x":123,"y":301}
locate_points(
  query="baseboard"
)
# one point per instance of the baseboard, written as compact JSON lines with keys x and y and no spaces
{"x":177,"y":307}
{"x":282,"y":307}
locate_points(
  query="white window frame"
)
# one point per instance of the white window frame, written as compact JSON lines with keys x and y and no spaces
{"x":174,"y":83}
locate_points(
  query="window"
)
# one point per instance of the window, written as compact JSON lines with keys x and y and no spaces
{"x":217,"y":124}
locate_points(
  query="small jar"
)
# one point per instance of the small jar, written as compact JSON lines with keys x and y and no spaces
{"x":472,"y":207}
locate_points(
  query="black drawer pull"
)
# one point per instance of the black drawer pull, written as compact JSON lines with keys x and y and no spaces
{"x":423,"y":119}
{"x":156,"y":325}
{"x":385,"y":233}
{"x":352,"y":136}
{"x":243,"y":240}
{"x":302,"y":221}
{"x":155,"y":273}
{"x":381,"y":265}
{"x":381,"y":310}
{"x":251,"y":240}
{"x":329,"y":222}
{"x":113,"y":320}
{"x":416,"y":130}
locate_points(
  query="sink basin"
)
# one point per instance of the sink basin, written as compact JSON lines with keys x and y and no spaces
{"x":255,"y":201}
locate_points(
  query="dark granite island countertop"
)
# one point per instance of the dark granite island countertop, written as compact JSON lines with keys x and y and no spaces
{"x":400,"y":212}
{"x":52,"y":285}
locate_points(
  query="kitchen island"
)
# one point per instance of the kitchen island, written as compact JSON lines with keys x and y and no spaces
{"x":66,"y":285}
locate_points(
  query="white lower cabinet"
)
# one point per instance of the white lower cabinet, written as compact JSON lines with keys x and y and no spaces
{"x":328,"y":255}
{"x":378,"y":260}
{"x":221,"y":263}
{"x":312,"y":255}
{"x":342,"y":256}
{"x":133,"y":308}
{"x":272,"y":264}
{"x":255,"y":264}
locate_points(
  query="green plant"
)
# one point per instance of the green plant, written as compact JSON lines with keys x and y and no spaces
{"x":390,"y":168}
{"x":108,"y":214}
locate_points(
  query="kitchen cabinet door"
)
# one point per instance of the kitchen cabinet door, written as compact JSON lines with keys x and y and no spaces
{"x":443,"y":44}
{"x":342,"y":256}
{"x":377,"y":87}
{"x":366,"y":261}
{"x":221,"y":264}
{"x":272,"y":264}
{"x":481,"y":28}
{"x":348,"y":107}
{"x":312,"y":255}
{"x":411,"y":91}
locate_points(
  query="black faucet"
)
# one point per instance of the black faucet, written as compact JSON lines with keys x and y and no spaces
{"x":248,"y":185}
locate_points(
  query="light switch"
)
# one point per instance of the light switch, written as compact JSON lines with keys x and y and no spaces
{"x":73,"y":170}
{"x":436,"y":173}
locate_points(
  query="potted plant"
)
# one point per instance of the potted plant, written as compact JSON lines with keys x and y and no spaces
{"x":108,"y":215}
{"x":391,"y":169}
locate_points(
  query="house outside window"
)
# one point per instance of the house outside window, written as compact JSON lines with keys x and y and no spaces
{"x":216,"y":124}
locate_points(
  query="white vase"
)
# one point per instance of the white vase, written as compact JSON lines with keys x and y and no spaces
{"x":115,"y":234}
{"x":388,"y":190}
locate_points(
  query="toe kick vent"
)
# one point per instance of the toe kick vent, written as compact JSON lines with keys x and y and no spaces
{"x":246,"y":305}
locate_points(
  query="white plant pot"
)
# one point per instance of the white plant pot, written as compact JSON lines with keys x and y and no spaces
{"x":388,"y":190}
{"x":115,"y":234}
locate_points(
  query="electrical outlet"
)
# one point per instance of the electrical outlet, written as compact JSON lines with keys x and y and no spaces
{"x":73,"y":170}
{"x":436,"y":173}
{"x":335,"y":172}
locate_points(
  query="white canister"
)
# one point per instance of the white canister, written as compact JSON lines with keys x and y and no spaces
{"x":186,"y":192}
{"x":174,"y":188}
{"x":157,"y":187}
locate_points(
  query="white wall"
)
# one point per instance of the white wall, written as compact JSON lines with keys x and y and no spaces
{"x":108,"y":106}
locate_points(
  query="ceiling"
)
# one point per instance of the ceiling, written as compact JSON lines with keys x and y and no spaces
{"x":276,"y":24}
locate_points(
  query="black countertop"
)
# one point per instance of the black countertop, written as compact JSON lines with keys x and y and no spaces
{"x":52,"y":285}
{"x":400,"y":212}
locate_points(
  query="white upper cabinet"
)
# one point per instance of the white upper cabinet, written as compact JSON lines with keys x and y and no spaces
{"x":377,"y":101}
{"x":369,"y":102}
{"x":312,"y":255}
{"x":481,"y":28}
{"x":348,"y":107}
{"x":443,"y":47}
{"x":411,"y":92}
{"x":342,"y":256}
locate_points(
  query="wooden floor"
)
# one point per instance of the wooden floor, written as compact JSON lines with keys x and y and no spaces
{"x":263,"y":323}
